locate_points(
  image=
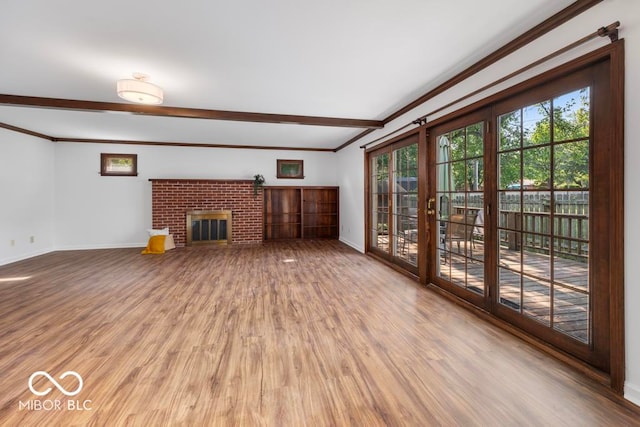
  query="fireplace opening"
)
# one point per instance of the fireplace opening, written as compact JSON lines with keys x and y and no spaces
{"x":208,"y":227}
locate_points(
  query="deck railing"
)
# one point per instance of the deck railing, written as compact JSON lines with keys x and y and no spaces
{"x":525,"y":219}
{"x":570,"y":231}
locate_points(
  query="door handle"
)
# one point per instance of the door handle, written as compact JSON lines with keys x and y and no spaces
{"x":430,"y":202}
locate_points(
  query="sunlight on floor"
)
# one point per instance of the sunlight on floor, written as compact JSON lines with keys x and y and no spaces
{"x":14,"y":279}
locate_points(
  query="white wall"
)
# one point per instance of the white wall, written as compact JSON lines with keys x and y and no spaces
{"x":92,"y":211}
{"x":26,"y":196}
{"x":629,"y":15}
{"x":607,"y":12}
{"x":350,"y":179}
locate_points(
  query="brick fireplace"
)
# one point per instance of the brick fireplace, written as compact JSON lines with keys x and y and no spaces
{"x":173,"y":198}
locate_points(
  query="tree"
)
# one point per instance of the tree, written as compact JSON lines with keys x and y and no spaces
{"x":528,"y":147}
{"x":466,"y":157}
{"x":509,"y":139}
{"x":571,"y":158}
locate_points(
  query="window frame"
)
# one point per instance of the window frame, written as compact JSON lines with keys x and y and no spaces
{"x":281,"y":164}
{"x":401,"y":141}
{"x":105,"y":158}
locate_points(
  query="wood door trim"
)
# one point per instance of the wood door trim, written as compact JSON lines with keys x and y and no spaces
{"x":616,"y":254}
{"x":424,"y":227}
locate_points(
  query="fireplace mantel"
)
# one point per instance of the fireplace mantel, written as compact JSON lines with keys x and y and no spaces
{"x":202,"y":180}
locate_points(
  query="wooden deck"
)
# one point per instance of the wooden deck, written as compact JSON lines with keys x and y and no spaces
{"x":563,"y":306}
{"x":561,"y":303}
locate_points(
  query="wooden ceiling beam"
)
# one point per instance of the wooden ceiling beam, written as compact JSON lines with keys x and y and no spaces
{"x":190,"y":113}
{"x":188,"y":144}
{"x":157,"y":143}
{"x":25,"y":131}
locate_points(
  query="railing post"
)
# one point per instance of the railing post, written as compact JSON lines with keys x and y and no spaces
{"x":513,"y":238}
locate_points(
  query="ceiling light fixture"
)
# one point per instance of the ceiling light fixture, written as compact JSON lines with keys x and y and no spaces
{"x":139,"y":90}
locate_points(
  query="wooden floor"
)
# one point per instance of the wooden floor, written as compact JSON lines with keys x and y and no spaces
{"x":286,"y":334}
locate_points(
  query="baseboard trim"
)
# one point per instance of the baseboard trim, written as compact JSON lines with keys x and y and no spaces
{"x":22,"y":257}
{"x":353,"y":245}
{"x":101,"y":246}
{"x":632,"y":393}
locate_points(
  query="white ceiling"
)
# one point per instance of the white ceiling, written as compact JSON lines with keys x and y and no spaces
{"x":361,"y":59}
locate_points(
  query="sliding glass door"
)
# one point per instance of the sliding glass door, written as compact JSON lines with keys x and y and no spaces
{"x":459,"y":206}
{"x":379,"y":202}
{"x":520,"y":197}
{"x":393,"y":203}
{"x":543,"y":204}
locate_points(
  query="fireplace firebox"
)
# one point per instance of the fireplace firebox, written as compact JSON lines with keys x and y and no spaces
{"x":209,"y":227}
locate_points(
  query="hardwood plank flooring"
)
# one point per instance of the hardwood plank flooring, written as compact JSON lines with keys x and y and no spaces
{"x":305,"y":333}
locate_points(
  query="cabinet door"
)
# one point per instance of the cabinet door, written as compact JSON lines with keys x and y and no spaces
{"x":282,"y":213}
{"x":320,"y":213}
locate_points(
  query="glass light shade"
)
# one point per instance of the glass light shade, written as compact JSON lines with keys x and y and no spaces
{"x":139,"y":91}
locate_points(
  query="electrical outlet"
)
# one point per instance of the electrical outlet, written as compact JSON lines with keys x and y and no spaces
{"x":12,"y":242}
{"x":32,"y":239}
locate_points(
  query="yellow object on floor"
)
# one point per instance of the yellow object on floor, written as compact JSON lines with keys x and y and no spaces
{"x":155,"y":245}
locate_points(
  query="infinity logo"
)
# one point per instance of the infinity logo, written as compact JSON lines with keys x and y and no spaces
{"x":55,"y":383}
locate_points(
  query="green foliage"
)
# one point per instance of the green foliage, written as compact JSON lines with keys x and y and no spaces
{"x":406,"y":158}
{"x":466,"y":157}
{"x":519,"y":140}
{"x":258,"y":182}
{"x":121,"y":161}
{"x":528,"y":139}
{"x":509,"y":166}
{"x":381,"y":166}
{"x":571,"y":165}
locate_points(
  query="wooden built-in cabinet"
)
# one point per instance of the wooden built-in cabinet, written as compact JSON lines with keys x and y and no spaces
{"x":282,"y":213}
{"x":300,"y":213}
{"x":320,"y":213}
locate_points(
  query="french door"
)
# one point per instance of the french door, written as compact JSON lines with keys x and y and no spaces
{"x":459,"y":207}
{"x":393,"y":203}
{"x":520,"y":197}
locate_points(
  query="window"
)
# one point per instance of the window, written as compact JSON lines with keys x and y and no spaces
{"x":118,"y":164}
{"x":291,"y":169}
